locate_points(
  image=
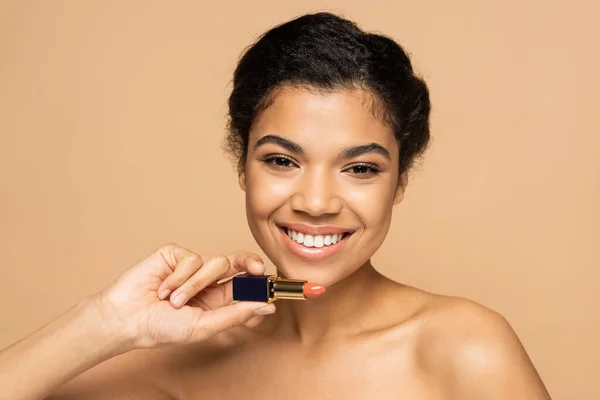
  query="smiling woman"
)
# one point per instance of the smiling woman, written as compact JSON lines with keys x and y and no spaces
{"x":325,"y":123}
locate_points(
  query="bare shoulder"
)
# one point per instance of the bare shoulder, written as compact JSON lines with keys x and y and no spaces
{"x":474,"y":352}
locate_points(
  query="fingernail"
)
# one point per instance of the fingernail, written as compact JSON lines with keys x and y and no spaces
{"x":179,"y":299}
{"x":163,"y":295}
{"x":270,"y":309}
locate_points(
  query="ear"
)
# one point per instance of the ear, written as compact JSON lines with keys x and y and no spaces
{"x":402,"y":183}
{"x":242,"y":177}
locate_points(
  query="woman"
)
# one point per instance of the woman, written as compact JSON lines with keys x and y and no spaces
{"x":325,"y":123}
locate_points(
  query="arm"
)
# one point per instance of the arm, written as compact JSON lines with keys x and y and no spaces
{"x":69,"y":345}
{"x":128,"y":315}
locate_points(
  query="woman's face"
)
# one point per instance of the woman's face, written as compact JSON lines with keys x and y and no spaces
{"x":321,"y":168}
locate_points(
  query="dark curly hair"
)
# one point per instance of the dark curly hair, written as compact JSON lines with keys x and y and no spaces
{"x":323,"y":51}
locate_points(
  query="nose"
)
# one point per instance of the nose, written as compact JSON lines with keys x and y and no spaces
{"x":316,"y":194}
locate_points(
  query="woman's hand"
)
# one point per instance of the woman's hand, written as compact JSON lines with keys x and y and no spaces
{"x":127,"y":315}
{"x":172,"y":297}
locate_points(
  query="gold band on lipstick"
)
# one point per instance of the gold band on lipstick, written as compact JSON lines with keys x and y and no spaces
{"x":288,"y":289}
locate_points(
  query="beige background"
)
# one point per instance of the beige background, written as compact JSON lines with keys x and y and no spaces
{"x":112,"y":114}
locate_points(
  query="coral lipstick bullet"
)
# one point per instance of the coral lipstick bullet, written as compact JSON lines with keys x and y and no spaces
{"x":269,"y":288}
{"x":312,"y":289}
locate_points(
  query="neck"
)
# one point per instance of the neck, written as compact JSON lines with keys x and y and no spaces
{"x":342,"y":310}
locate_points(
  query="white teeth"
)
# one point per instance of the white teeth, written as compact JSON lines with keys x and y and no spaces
{"x":308,"y":240}
{"x":318,"y":242}
{"x":314,"y":240}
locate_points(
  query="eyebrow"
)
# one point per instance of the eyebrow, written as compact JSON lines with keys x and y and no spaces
{"x":356,"y":151}
{"x":350,"y":152}
{"x":282,"y":142}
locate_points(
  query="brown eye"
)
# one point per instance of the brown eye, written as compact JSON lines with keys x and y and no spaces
{"x":363,"y":170}
{"x":279,"y":161}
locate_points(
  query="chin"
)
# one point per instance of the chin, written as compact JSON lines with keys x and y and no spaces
{"x":326,"y":275}
{"x":323,"y":272}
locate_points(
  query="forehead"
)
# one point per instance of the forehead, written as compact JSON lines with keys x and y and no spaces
{"x":323,"y":119}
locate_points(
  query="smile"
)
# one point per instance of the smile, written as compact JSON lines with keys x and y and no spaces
{"x":314,"y":243}
{"x":315,"y":240}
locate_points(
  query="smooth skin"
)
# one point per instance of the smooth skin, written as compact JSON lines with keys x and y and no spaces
{"x":367,"y":337}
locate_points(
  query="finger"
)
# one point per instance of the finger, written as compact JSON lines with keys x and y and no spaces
{"x":214,"y":296}
{"x":212,"y":322}
{"x":175,"y":255}
{"x":243,"y":261}
{"x":255,"y":321}
{"x":183,"y":271}
{"x":163,"y":258}
{"x":172,"y":254}
{"x":209,"y":273}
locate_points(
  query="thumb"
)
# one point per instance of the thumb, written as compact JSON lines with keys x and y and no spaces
{"x":211,"y":322}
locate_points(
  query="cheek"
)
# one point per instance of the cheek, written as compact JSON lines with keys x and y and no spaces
{"x":264,"y":193}
{"x":373,"y":205}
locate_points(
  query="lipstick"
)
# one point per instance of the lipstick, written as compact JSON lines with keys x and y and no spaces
{"x":269,"y":288}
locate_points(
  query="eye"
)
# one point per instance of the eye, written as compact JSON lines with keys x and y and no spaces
{"x":279,"y":161}
{"x":363,"y":170}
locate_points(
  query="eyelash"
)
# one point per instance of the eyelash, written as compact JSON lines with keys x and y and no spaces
{"x":270,"y":160}
{"x":371,"y":168}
